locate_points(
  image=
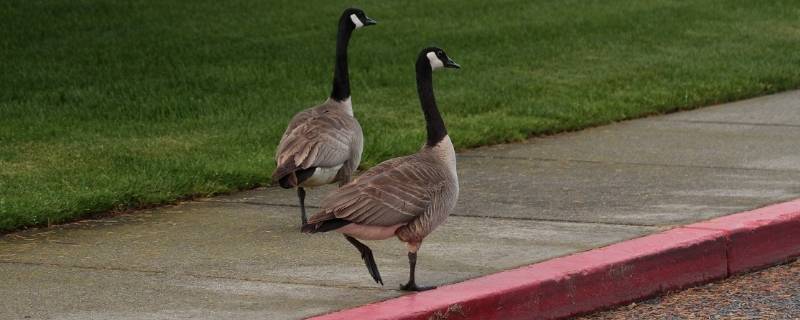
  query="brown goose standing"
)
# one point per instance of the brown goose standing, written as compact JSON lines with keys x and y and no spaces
{"x":407,"y":197}
{"x":323,"y":144}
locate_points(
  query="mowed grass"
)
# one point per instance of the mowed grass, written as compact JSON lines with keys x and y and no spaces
{"x":115,"y":104}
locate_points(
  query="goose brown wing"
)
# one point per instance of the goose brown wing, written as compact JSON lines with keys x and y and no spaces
{"x":396,"y":191}
{"x":315,"y":138}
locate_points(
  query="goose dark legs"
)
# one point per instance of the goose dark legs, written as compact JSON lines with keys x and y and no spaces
{"x":411,"y":285}
{"x":301,"y":193}
{"x":369,"y":260}
{"x":412,"y":266}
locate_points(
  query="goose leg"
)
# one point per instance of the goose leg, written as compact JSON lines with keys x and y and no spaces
{"x":301,"y":193}
{"x":412,"y":264}
{"x":369,"y":260}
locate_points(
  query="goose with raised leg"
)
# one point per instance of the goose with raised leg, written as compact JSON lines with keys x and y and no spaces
{"x":405,"y":197}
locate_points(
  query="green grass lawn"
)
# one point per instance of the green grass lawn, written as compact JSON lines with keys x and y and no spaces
{"x":114,"y":104}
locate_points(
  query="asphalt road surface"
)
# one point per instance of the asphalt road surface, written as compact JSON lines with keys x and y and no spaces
{"x":773,"y":293}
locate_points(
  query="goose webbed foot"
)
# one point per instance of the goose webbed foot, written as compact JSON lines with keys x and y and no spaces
{"x":412,"y":266}
{"x":369,"y":260}
{"x":410,"y":286}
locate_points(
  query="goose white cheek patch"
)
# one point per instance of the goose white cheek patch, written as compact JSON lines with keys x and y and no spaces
{"x":436,"y":63}
{"x":356,"y":21}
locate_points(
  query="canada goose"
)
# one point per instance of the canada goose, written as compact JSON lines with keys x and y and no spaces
{"x":323,"y":144}
{"x":407,"y":197}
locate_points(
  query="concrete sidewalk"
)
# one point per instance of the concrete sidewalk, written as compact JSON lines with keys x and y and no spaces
{"x":241,"y":256}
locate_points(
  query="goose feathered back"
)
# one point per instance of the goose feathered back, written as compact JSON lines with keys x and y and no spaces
{"x":420,"y":190}
{"x":323,"y":136}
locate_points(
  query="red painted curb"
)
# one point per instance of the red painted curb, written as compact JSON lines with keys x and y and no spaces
{"x":760,"y":237}
{"x":608,"y":276}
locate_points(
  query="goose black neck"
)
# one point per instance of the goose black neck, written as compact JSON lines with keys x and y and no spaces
{"x":341,"y":78}
{"x":433,"y":120}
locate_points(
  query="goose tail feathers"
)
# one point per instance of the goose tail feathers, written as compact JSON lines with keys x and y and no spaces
{"x":324,"y":226}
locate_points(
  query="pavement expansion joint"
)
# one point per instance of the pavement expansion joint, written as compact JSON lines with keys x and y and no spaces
{"x":616,"y":224}
{"x":643,"y":164}
{"x":194,"y":275}
{"x":727,"y":251}
{"x":301,"y":283}
{"x":84,"y":267}
{"x":269,"y":204}
{"x":265,"y":204}
{"x":732,"y":123}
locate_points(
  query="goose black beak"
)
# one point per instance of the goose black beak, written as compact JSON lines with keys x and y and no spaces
{"x":451,"y":64}
{"x":370,"y":22}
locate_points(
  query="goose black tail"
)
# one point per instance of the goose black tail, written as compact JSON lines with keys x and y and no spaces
{"x":324,"y":226}
{"x":294,"y":178}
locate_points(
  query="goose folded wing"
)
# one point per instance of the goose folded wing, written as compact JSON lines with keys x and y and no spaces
{"x":314,"y":141}
{"x":391,"y":193}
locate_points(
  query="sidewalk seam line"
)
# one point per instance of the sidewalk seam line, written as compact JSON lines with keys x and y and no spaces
{"x":643,"y":164}
{"x":732,"y":123}
{"x":101,"y":269}
{"x":286,"y":282}
{"x":728,"y":247}
{"x":93,"y":268}
{"x":457,"y":215}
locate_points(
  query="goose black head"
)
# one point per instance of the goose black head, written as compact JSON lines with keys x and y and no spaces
{"x":438,"y":58}
{"x":357,"y":18}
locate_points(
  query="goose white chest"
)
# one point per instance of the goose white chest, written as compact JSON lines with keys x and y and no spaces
{"x":446,"y":153}
{"x":321,"y":176}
